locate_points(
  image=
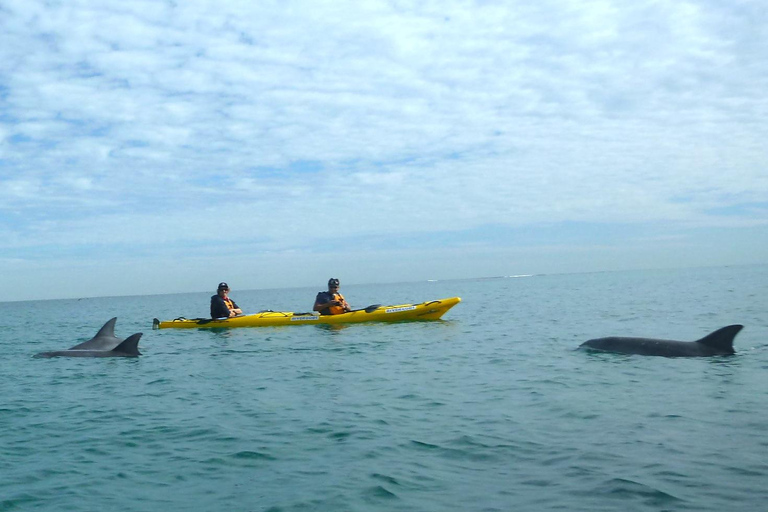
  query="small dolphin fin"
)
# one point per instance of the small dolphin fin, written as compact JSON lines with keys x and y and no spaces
{"x":108,"y":329}
{"x":722,"y":339}
{"x":130,"y":345}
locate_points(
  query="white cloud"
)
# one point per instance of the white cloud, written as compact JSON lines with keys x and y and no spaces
{"x":143,"y":121}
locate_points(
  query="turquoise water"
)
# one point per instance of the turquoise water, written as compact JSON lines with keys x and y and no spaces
{"x":490,"y":409}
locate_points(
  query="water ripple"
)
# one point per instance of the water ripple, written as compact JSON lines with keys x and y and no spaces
{"x":470,"y":414}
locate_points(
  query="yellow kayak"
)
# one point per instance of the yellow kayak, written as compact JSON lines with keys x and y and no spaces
{"x":431,"y":310}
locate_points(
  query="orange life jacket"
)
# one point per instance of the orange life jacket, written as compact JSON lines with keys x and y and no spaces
{"x":229,"y":303}
{"x":337,"y":310}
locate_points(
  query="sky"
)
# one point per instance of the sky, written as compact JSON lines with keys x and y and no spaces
{"x":151,"y":146}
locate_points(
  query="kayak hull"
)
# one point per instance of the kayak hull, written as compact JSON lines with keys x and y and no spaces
{"x":431,"y":310}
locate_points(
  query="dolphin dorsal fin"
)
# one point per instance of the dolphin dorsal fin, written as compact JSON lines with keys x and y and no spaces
{"x":108,"y":330}
{"x":722,"y":339}
{"x":130,"y":345}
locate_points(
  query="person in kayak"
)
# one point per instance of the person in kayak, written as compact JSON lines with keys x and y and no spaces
{"x":221,"y":305}
{"x":331,"y":302}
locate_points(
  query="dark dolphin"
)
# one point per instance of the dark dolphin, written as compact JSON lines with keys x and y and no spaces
{"x":104,"y":344}
{"x":718,"y":343}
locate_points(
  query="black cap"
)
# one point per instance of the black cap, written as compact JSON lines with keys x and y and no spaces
{"x":223,"y":286}
{"x":333,"y":281}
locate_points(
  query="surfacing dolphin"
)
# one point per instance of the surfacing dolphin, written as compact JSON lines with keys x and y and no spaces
{"x":104,"y":344}
{"x":718,"y":343}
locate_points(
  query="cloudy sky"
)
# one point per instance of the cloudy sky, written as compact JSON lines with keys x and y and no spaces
{"x":151,"y":146}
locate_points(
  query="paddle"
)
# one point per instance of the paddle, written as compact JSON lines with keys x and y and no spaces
{"x":369,"y":309}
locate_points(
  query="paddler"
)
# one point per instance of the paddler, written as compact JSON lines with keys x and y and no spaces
{"x":331,"y":302}
{"x":221,"y":305}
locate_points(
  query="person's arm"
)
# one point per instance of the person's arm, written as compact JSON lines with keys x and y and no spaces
{"x":218,"y":308}
{"x":235,"y":309}
{"x":320,"y":306}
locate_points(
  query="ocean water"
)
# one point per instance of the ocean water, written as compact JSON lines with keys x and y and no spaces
{"x":490,"y":409}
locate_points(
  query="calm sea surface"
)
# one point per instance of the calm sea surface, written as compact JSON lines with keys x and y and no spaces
{"x":490,"y":409}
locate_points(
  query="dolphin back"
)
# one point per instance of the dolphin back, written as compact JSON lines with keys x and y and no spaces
{"x":722,"y":339}
{"x":718,"y":343}
{"x":104,"y":344}
{"x":104,"y":340}
{"x":130,"y":346}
